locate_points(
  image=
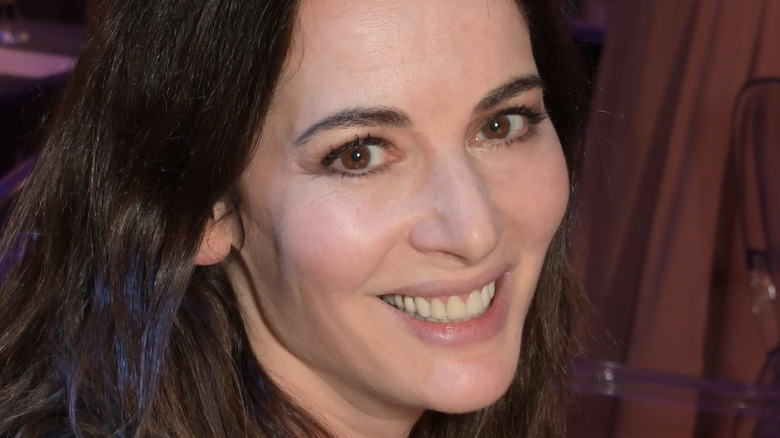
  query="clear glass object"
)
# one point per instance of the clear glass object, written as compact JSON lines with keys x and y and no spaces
{"x":755,"y":407}
{"x":764,"y":298}
{"x":767,"y":315}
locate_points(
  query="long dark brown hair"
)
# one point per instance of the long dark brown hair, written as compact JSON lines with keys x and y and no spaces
{"x":106,"y":325}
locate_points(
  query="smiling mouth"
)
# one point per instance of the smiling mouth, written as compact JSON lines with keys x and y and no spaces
{"x":445,"y":309}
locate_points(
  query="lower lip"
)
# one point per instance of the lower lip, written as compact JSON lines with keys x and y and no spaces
{"x":479,"y":329}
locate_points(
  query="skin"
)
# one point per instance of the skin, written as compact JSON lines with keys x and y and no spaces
{"x":441,"y":210}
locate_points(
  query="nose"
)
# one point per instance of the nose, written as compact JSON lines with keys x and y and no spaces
{"x":458,"y":216}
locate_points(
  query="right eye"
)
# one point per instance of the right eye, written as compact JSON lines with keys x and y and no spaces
{"x":361,"y":157}
{"x":358,"y":157}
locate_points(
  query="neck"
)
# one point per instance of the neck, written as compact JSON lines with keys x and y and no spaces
{"x":349,"y":415}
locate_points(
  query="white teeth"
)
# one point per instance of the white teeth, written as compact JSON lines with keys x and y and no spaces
{"x":474,"y":304}
{"x":456,"y":308}
{"x":422,"y":307}
{"x":409,"y":304}
{"x":438,"y":311}
{"x":453,"y":309}
{"x":484,"y":295}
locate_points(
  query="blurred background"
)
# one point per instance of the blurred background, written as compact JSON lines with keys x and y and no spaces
{"x":679,"y":218}
{"x":39,"y":42}
{"x":677,"y":241}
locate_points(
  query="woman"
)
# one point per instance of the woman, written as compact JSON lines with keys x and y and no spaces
{"x":335,"y":218}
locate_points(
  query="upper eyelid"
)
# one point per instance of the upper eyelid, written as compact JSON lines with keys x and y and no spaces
{"x":340,"y":149}
{"x":534,"y":115}
{"x":328,"y":161}
{"x":518,"y":103}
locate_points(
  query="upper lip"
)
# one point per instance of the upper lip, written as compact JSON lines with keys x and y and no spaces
{"x":450,"y":286}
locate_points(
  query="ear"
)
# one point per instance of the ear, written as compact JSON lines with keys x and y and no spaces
{"x":220,"y":235}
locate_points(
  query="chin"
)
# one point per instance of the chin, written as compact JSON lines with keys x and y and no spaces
{"x":467,"y":392}
{"x":468,"y":404}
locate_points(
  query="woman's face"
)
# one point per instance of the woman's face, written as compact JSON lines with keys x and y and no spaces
{"x":406,"y":161}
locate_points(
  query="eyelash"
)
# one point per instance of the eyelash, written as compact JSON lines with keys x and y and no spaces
{"x":532,"y":116}
{"x":337,"y":152}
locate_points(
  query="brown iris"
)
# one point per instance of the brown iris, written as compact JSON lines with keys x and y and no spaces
{"x":357,"y":158}
{"x":497,"y":128}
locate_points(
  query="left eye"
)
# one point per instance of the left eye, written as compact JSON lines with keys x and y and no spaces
{"x":502,"y":127}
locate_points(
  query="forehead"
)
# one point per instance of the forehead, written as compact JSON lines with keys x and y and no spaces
{"x":358,"y":52}
{"x":402,"y":24}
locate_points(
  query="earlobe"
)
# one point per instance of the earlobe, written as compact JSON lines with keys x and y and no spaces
{"x":218,"y":237}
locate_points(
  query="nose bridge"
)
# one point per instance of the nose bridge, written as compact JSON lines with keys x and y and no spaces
{"x":459,"y":217}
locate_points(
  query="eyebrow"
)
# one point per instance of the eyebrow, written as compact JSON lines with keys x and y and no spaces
{"x":515,"y":86}
{"x":387,"y":116}
{"x":375,"y":116}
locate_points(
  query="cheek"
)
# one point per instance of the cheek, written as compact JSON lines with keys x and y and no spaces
{"x":553,"y":195}
{"x":535,"y":195}
{"x":330,"y":240}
